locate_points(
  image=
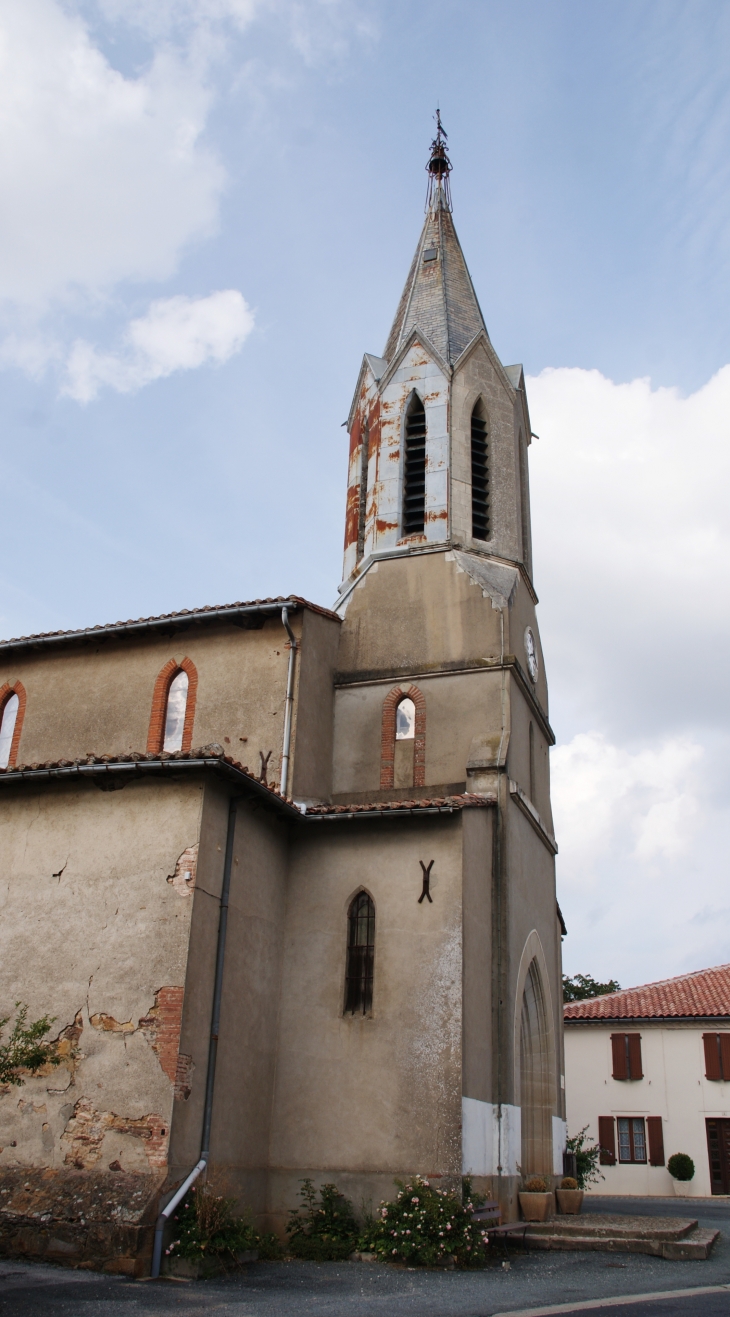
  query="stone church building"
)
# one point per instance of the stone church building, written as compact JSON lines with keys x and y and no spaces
{"x":284,"y":875}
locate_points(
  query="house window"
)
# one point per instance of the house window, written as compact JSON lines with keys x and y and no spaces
{"x":7,"y":728}
{"x":405,"y":720}
{"x":626,"y":1053}
{"x":717,"y":1055}
{"x":360,"y":955}
{"x":631,"y":1139}
{"x":177,"y":700}
{"x":414,"y":475}
{"x":479,"y":475}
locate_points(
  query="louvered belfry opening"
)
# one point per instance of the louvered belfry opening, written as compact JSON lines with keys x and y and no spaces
{"x":479,"y":475}
{"x":414,"y":480}
{"x":360,"y":955}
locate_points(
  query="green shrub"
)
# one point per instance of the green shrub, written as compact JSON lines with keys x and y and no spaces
{"x":535,"y":1186}
{"x":324,"y":1231}
{"x":208,"y":1231}
{"x":24,"y":1048}
{"x":681,"y":1166}
{"x":587,"y":1155}
{"x":424,"y":1226}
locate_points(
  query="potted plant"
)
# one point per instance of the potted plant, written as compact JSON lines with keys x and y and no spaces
{"x":535,"y":1199}
{"x":569,"y":1196}
{"x":682,"y":1169}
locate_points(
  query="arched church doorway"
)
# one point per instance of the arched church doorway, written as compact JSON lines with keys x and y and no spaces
{"x":535,"y":1078}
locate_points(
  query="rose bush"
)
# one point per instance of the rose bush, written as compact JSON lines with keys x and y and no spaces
{"x":426,"y":1226}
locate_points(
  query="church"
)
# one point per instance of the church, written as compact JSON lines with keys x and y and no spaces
{"x":284,"y":875}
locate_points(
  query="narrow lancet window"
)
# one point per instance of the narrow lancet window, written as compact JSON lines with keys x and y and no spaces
{"x":177,"y":700}
{"x":414,"y":476}
{"x":362,"y":511}
{"x":7,"y":728}
{"x":479,"y":475}
{"x":360,"y":955}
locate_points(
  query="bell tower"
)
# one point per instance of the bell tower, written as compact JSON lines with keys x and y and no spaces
{"x":440,"y":689}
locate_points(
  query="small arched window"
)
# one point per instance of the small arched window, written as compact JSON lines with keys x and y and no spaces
{"x":7,"y":728}
{"x":414,"y":471}
{"x":177,"y":702}
{"x":360,"y":955}
{"x":405,"y":720}
{"x":479,"y":474}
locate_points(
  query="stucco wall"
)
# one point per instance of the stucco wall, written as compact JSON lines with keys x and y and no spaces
{"x":674,"y":1087}
{"x":95,"y":914}
{"x":363,"y":1099}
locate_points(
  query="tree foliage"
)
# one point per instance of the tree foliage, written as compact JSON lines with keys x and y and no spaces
{"x":24,"y":1050}
{"x":582,"y":986}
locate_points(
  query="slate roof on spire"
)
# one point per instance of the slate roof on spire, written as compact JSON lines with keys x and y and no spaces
{"x":439,"y":296}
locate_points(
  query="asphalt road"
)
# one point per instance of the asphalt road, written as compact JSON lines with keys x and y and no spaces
{"x":534,"y":1283}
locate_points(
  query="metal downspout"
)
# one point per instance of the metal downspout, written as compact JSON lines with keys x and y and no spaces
{"x":289,"y":703}
{"x":167,"y":1211}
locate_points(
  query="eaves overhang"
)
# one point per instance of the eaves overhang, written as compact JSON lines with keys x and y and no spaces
{"x":646,"y":1021}
{"x":248,"y":616}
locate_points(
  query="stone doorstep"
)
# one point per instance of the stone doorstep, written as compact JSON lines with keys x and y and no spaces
{"x":605,"y":1226}
{"x":693,"y":1246}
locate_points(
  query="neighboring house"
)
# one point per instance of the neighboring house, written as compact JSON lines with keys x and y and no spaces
{"x":370,"y":788}
{"x":648,"y":1071}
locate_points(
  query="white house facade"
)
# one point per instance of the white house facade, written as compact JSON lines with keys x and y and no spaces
{"x":647,"y":1071}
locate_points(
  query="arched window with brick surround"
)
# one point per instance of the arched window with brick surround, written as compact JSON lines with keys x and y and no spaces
{"x":403,"y":739}
{"x":12,"y":712}
{"x":173,"y":707}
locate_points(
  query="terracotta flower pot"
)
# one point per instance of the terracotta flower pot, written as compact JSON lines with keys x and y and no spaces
{"x":570,"y":1201}
{"x":536,"y":1207}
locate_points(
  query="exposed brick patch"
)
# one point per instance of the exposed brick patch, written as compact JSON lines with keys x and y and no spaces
{"x":6,"y":693}
{"x":165,"y":678}
{"x":183,"y":1077}
{"x":108,"y":1024}
{"x":85,"y":1132}
{"x":161,"y":1028}
{"x":387,"y":736}
{"x":183,"y":878}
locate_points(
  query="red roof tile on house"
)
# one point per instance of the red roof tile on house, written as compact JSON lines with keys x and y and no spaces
{"x":704,"y":993}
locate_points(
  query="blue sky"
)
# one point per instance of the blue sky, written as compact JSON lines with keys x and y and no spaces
{"x":208,"y":212}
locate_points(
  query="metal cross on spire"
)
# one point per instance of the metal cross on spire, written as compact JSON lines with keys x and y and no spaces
{"x":438,"y":167}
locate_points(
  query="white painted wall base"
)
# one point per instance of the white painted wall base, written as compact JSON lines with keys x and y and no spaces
{"x":560,"y":1135}
{"x":491,"y":1138}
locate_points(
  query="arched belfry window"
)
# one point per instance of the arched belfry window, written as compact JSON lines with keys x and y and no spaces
{"x":414,"y":470}
{"x":403,"y":739}
{"x":479,"y":474}
{"x":173,"y":708}
{"x":7,"y":728}
{"x":12,"y":710}
{"x":360,"y":955}
{"x":405,"y":720}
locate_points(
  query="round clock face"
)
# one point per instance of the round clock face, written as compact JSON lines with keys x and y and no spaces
{"x":531,"y":654}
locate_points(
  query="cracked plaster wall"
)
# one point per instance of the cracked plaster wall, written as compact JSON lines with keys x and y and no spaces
{"x":95,"y":915}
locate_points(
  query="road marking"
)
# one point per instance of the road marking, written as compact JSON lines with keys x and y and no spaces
{"x":619,"y":1301}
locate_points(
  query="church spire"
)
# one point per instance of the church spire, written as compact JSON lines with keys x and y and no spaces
{"x":438,"y":297}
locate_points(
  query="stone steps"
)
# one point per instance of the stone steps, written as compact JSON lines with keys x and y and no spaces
{"x":675,"y":1238}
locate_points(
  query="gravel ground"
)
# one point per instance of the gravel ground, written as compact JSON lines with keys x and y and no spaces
{"x":366,"y":1289}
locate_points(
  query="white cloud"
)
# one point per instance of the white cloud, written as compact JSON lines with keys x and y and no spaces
{"x":178,"y":333}
{"x":105,"y":177}
{"x":632,"y":531}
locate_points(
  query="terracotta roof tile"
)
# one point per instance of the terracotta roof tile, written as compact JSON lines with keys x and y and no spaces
{"x":465,"y":801}
{"x":704,"y":993}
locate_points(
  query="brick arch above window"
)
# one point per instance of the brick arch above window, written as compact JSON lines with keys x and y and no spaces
{"x":387,"y":745}
{"x":165,"y":678}
{"x":6,"y":692}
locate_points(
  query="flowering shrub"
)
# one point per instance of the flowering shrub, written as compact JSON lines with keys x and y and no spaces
{"x":324,"y":1231}
{"x":207,"y":1230}
{"x":426,"y":1226}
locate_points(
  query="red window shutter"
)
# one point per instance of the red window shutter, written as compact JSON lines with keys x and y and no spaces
{"x":656,"y":1140}
{"x":635,"y":1070}
{"x":725,"y":1054}
{"x":607,"y":1139}
{"x":618,"y":1047}
{"x":712,"y":1056}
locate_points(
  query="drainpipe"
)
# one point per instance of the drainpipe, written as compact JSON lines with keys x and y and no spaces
{"x":197,"y":1170}
{"x":289,"y":703}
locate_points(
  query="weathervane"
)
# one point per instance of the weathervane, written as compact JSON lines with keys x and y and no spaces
{"x":439,"y":168}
